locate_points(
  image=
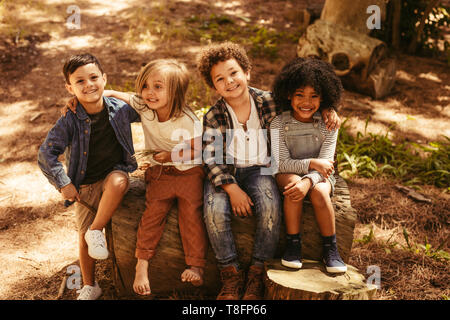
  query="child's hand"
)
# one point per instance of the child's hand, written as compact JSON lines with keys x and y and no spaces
{"x":324,"y":166}
{"x":70,"y":104}
{"x":70,"y":193}
{"x":331,"y":119}
{"x":241,"y":203}
{"x":297,"y":190}
{"x":162,"y":156}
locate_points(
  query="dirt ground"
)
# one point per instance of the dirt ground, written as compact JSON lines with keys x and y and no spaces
{"x":38,"y":241}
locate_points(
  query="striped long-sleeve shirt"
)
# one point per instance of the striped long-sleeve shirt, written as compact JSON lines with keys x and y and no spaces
{"x":285,"y":162}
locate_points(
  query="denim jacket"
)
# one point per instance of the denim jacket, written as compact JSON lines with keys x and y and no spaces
{"x":72,"y":132}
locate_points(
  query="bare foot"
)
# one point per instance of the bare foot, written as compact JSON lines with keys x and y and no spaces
{"x":193,"y":275}
{"x":141,"y":283}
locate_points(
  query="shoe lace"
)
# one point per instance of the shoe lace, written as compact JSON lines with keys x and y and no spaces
{"x":98,"y":240}
{"x":333,"y":253}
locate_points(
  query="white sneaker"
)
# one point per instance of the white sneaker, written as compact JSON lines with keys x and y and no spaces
{"x":89,"y":292}
{"x":96,"y":242}
{"x":295,"y":264}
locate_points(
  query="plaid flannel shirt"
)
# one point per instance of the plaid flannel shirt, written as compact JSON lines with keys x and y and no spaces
{"x":217,"y":121}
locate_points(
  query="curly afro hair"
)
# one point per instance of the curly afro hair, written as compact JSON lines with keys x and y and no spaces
{"x":215,"y":53}
{"x":302,"y":72}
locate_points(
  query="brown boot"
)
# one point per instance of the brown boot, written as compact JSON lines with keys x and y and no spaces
{"x":232,"y":283}
{"x":255,"y":287}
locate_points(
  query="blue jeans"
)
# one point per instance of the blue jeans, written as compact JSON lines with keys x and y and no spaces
{"x":263,"y":191}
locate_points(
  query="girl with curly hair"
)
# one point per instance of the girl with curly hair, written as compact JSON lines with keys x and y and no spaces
{"x":304,"y":150}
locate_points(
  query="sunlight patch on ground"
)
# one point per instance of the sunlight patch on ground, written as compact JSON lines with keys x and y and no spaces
{"x":232,"y":8}
{"x":74,"y":43}
{"x":427,"y":127}
{"x":14,"y":113}
{"x":50,"y":245}
{"x":403,"y":75}
{"x":100,"y":8}
{"x":387,"y":117}
{"x":430,"y":76}
{"x":26,"y":184}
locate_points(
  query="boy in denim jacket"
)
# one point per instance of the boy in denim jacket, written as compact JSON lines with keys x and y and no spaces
{"x":237,"y":157}
{"x":98,"y":158}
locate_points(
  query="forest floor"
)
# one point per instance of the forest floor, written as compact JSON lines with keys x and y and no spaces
{"x":38,"y":240}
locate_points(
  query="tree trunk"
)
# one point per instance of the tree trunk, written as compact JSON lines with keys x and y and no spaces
{"x":413,"y":44}
{"x":168,"y":263}
{"x":396,"y":15}
{"x":312,"y":282}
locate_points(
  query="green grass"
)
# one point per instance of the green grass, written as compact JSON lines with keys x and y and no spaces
{"x":373,"y":155}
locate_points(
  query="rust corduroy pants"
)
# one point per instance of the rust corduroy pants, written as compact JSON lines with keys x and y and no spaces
{"x":165,"y":184}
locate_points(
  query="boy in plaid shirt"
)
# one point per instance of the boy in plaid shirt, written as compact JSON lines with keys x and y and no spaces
{"x":237,"y":157}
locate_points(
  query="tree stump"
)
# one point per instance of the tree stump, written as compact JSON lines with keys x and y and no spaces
{"x":168,"y":263}
{"x":312,"y":282}
{"x":360,"y":61}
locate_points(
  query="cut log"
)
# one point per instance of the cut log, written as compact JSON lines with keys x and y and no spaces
{"x":361,"y":61}
{"x":312,"y":282}
{"x":168,"y":263}
{"x":379,"y":82}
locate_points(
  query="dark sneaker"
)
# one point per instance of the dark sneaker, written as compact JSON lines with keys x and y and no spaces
{"x":232,"y":284}
{"x":332,"y":260}
{"x":292,"y":255}
{"x":255,"y":287}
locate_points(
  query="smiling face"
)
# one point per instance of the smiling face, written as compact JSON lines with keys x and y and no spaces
{"x":87,"y":83}
{"x":229,"y":79}
{"x":305,"y":102}
{"x":155,"y":95}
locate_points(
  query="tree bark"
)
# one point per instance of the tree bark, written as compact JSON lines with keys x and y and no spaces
{"x":396,"y":15}
{"x":168,"y":263}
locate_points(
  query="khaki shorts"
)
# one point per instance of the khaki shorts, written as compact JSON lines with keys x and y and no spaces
{"x":91,"y":194}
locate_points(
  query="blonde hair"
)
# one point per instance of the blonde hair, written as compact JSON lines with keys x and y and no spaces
{"x":176,"y":78}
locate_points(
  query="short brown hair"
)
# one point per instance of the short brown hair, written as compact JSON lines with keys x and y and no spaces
{"x":219,"y":52}
{"x":175,"y":75}
{"x":79,"y":60}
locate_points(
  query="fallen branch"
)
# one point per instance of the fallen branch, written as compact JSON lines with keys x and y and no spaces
{"x":62,"y":287}
{"x":36,"y":116}
{"x":413,"y":194}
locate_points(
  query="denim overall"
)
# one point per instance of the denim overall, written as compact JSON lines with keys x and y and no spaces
{"x":304,"y":139}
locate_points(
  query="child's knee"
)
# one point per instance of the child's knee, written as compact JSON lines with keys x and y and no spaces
{"x":118,"y":184}
{"x":320,"y":192}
